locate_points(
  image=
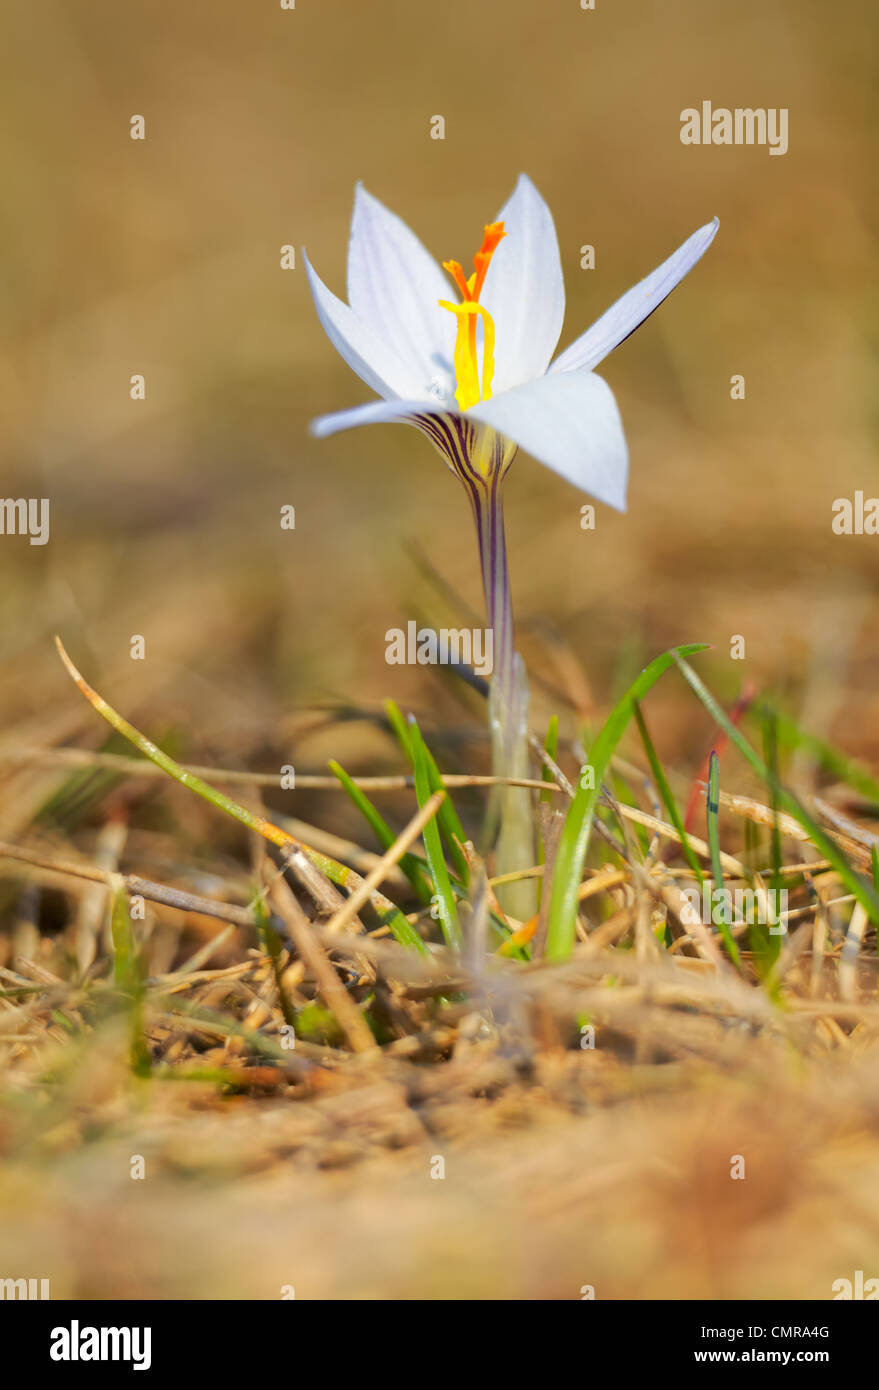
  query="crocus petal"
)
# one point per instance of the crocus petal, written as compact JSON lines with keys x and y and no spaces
{"x":635,"y":306}
{"x":373,"y":413}
{"x":571,"y":423}
{"x":369,"y":356}
{"x":394,"y":286}
{"x":524,"y":291}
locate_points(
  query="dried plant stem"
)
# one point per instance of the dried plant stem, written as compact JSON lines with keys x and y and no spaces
{"x":337,"y":873}
{"x":118,"y":762}
{"x":332,"y":991}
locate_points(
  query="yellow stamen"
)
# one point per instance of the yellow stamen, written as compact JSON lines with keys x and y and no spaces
{"x":466,"y":363}
{"x":466,"y":360}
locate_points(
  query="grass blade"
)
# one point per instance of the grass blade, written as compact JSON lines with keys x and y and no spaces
{"x":711,"y":813}
{"x":551,"y":744}
{"x":382,"y":831}
{"x":665,"y":792}
{"x":449,"y":822}
{"x":388,"y":912}
{"x":865,"y":894}
{"x":444,"y":897}
{"x":581,"y":813}
{"x":843,"y":768}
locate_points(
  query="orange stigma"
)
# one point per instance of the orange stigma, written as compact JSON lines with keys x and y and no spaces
{"x":468,"y":390}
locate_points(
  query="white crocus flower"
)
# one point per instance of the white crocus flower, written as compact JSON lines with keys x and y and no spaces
{"x":476,"y":376}
{"x":398,"y":334}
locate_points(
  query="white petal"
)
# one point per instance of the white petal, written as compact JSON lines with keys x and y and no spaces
{"x":524,"y":291}
{"x":369,"y":356}
{"x":373,"y":413}
{"x":571,"y":423}
{"x":636,"y":305}
{"x":395,"y":285}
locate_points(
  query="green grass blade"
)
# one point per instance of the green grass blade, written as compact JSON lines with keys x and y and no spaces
{"x":712,"y":807}
{"x":843,"y":768}
{"x":398,"y":725}
{"x":865,"y":893}
{"x":665,"y":792}
{"x":551,"y":744}
{"x":401,"y":730}
{"x":388,"y":912}
{"x":770,"y":752}
{"x":578,"y":823}
{"x":444,"y":897}
{"x":451,"y":829}
{"x":382,"y":831}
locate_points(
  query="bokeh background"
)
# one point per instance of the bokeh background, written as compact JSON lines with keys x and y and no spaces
{"x":163,"y":257}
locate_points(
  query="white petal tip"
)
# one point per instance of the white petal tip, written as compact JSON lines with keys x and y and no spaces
{"x":708,"y":232}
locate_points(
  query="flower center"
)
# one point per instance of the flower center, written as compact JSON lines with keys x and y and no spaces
{"x":469,"y":312}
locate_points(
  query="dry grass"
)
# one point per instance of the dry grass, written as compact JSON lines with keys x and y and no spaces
{"x":565,"y":1165}
{"x":311,"y":1167}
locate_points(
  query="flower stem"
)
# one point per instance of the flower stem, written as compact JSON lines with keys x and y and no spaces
{"x":508,"y":701}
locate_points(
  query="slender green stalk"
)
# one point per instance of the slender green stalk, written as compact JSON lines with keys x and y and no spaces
{"x":712,"y":806}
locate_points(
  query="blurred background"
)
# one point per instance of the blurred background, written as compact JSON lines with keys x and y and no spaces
{"x":162,"y":257}
{"x":265,"y":646}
